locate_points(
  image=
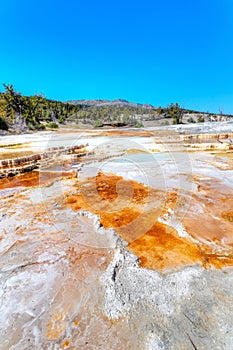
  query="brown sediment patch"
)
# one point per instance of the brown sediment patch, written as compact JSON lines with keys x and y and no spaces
{"x":76,"y":323}
{"x":56,"y":325}
{"x":127,"y":133}
{"x":133,"y":213}
{"x":160,"y":135}
{"x":125,"y":205}
{"x":34,"y":178}
{"x":161,"y":248}
{"x":210,"y":215}
{"x":107,"y":194}
{"x":10,"y":154}
{"x":228,"y":215}
{"x":65,"y":344}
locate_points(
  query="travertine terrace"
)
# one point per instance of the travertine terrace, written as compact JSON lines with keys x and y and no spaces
{"x":129,"y":246}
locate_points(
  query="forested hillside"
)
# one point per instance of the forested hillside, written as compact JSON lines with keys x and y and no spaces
{"x":19,"y":113}
{"x":33,"y":113}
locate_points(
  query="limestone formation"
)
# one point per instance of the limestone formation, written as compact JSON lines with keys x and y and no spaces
{"x":134,"y":253}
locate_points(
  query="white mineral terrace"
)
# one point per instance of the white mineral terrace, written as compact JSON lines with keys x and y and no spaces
{"x":132,"y":251}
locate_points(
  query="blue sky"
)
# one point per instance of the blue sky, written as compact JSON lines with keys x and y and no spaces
{"x":145,"y":51}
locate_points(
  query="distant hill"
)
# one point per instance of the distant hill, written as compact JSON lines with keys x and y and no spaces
{"x":121,"y":112}
{"x":104,"y":103}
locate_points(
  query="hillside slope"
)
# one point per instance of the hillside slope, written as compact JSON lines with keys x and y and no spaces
{"x":19,"y":113}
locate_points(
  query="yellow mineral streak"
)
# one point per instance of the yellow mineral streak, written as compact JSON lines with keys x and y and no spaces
{"x":56,"y":325}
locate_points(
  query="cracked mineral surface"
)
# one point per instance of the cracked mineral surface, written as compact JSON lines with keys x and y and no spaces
{"x":130,"y":247}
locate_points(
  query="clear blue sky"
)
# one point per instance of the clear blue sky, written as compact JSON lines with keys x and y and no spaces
{"x":146,"y":51}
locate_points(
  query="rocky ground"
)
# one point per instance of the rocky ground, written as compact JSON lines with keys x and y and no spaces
{"x":133,"y":251}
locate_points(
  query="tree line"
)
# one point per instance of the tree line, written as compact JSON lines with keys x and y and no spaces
{"x":38,"y":112}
